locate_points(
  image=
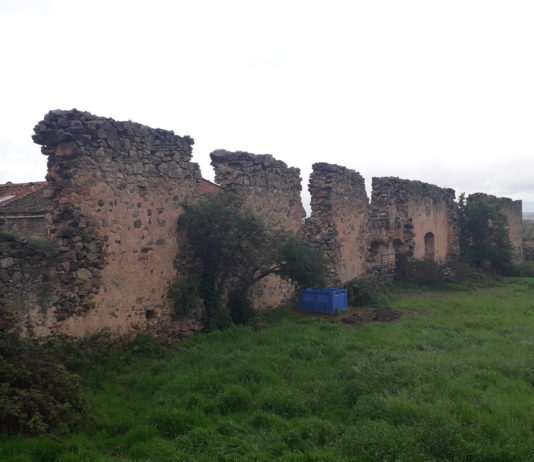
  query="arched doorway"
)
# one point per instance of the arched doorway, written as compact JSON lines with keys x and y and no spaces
{"x":429,"y":246}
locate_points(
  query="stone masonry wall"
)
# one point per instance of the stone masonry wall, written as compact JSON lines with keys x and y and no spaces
{"x":513,"y":211}
{"x":339,"y":223}
{"x":28,"y":278}
{"x":403,"y":212}
{"x":272,"y":190}
{"x":117,"y":189}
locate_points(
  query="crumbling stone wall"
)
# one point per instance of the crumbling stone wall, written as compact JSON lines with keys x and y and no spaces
{"x":272,"y":190}
{"x":28,"y":278}
{"x":413,"y":218}
{"x":117,"y":191}
{"x":513,"y":211}
{"x":339,"y":224}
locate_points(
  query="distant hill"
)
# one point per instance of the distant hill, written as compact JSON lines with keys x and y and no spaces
{"x":528,"y":216}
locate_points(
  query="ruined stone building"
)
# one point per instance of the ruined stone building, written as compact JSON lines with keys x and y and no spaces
{"x":107,"y":220}
{"x":412,"y":218}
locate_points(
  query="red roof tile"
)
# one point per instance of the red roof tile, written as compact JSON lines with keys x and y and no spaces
{"x":13,"y":192}
{"x":207,"y":187}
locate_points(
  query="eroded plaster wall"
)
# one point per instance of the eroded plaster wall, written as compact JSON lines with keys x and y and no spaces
{"x":118,"y":190}
{"x":339,"y":224}
{"x":403,"y":212}
{"x":271,"y":189}
{"x":513,"y":211}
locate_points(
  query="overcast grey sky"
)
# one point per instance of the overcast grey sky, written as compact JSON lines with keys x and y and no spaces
{"x":440,"y":91}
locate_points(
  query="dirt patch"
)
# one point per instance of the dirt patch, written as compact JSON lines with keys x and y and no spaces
{"x":356,"y":317}
{"x":427,"y":294}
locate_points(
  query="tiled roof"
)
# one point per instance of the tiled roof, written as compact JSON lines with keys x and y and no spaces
{"x":10,"y":192}
{"x":207,"y":187}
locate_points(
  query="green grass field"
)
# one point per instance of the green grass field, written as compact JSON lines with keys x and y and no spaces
{"x":453,"y":379}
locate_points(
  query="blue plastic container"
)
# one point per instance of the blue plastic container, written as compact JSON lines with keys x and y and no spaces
{"x":328,"y":301}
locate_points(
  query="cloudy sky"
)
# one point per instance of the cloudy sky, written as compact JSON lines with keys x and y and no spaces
{"x":440,"y":91}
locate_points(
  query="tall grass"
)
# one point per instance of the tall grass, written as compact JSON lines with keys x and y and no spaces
{"x":452,"y":381}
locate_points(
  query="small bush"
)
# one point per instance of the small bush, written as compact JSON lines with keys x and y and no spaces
{"x":421,"y":272}
{"x":37,"y":393}
{"x":463,"y":273}
{"x":367,"y":291}
{"x":145,"y":345}
{"x":526,"y":269}
{"x":429,"y":272}
{"x":184,"y":296}
{"x":241,"y":310}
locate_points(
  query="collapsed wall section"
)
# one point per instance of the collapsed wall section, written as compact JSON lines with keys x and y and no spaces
{"x":513,"y":212}
{"x":412,"y":218}
{"x":339,"y":223}
{"x":272,"y":190}
{"x":117,"y":192}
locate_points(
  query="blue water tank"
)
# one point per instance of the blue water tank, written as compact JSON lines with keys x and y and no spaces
{"x":324,"y":300}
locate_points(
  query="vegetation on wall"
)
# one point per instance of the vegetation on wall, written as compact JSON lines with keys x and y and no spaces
{"x":484,"y":239}
{"x":231,"y":249}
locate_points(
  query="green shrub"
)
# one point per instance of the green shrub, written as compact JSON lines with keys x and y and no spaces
{"x":429,"y":272}
{"x":241,"y":310}
{"x":144,"y":345}
{"x":37,"y":393}
{"x":526,"y":269}
{"x":184,"y":297}
{"x":421,"y":272}
{"x":367,"y":290}
{"x":462,"y":273}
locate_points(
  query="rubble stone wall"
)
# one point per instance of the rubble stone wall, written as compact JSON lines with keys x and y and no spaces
{"x":117,"y":190}
{"x":271,"y":189}
{"x":28,"y":279}
{"x":339,"y":224}
{"x":36,"y":226}
{"x":403,"y":212}
{"x":513,"y":211}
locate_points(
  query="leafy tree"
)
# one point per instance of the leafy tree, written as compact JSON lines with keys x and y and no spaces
{"x":232,"y":249}
{"x":484,"y":238}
